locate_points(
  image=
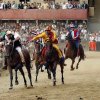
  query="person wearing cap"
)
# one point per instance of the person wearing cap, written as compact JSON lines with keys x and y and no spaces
{"x":8,"y":37}
{"x":5,"y":37}
{"x":49,"y":34}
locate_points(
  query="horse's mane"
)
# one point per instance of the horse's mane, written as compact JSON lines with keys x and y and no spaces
{"x":53,"y":52}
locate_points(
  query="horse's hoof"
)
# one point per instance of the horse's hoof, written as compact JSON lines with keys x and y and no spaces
{"x":31,"y":86}
{"x":16,"y":83}
{"x":54,"y":83}
{"x":25,"y":86}
{"x":65,"y":64}
{"x":10,"y":88}
{"x":42,"y":70}
{"x":49,"y":77}
{"x":76,"y":67}
{"x":35,"y":81}
{"x":62,"y":82}
{"x":72,"y":69}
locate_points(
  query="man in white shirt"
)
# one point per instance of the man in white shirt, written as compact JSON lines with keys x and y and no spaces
{"x":64,"y":6}
{"x":1,"y":5}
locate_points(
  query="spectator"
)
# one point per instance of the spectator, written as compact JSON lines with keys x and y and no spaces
{"x":69,"y":6}
{"x":20,"y":6}
{"x":64,"y":6}
{"x":57,"y":6}
{"x":25,"y":6}
{"x":84,"y":5}
{"x":1,"y":5}
{"x":45,"y":5}
{"x":35,"y":6}
{"x":52,"y":5}
{"x":39,"y":6}
{"x":14,"y":5}
{"x":79,"y":6}
{"x":4,"y":5}
{"x":74,"y":5}
{"x":8,"y":5}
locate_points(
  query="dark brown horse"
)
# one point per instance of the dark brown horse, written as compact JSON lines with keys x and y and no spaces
{"x":14,"y":62}
{"x":38,"y":58}
{"x":52,"y":59}
{"x":71,"y":52}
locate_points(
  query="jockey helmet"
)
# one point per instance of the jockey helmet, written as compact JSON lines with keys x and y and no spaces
{"x":8,"y":32}
{"x":48,"y":28}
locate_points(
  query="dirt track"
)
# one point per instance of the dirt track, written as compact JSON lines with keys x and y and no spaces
{"x":81,"y":84}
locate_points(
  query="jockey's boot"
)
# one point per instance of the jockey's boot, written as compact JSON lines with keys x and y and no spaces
{"x":62,"y":60}
{"x":22,"y":57}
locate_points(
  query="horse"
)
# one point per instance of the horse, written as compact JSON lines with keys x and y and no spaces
{"x":70,"y":51}
{"x":52,"y":59}
{"x":38,"y":58}
{"x":14,"y":62}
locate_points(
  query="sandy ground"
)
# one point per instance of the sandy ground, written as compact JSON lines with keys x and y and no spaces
{"x":81,"y":84}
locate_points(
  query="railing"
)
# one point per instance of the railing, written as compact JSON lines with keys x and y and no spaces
{"x":48,"y":14}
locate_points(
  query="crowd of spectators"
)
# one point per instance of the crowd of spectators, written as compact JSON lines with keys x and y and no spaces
{"x":27,"y":29}
{"x":44,"y":5}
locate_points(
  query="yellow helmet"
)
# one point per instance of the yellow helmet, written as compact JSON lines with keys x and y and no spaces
{"x":48,"y":28}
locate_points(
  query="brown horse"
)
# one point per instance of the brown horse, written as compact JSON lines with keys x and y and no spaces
{"x":71,"y":52}
{"x":52,"y":59}
{"x":14,"y":62}
{"x":38,"y":58}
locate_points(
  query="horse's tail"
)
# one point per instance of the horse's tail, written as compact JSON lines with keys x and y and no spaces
{"x":82,"y":54}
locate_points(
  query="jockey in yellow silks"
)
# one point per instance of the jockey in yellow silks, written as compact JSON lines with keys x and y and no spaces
{"x":49,"y":34}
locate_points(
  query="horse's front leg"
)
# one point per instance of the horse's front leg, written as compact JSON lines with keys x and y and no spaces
{"x":41,"y":68}
{"x":49,"y":73}
{"x":37,"y":70}
{"x":11,"y":77}
{"x":28,"y":67}
{"x":22,"y":72}
{"x":53,"y":68}
{"x":62,"y":71}
{"x":78,"y":63}
{"x":16,"y":77}
{"x":72,"y":68}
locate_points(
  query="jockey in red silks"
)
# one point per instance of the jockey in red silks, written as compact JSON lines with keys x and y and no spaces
{"x":75,"y":33}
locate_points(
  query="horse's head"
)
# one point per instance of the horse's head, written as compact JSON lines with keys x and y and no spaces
{"x":49,"y":45}
{"x":9,"y":49}
{"x":49,"y":50}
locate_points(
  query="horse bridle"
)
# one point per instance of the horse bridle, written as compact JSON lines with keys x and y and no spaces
{"x":11,"y":49}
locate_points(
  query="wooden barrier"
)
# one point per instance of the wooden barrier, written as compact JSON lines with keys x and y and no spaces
{"x":40,"y":14}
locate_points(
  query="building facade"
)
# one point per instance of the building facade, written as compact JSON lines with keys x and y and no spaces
{"x":42,"y":0}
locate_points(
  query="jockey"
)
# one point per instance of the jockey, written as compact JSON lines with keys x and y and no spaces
{"x":75,"y":33}
{"x":17,"y":44}
{"x":49,"y":34}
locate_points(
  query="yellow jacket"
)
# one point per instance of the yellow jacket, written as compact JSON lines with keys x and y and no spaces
{"x":45,"y":37}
